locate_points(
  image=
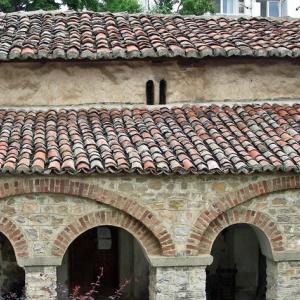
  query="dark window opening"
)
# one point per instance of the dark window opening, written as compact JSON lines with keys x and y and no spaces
{"x":163,"y":92}
{"x":150,"y":92}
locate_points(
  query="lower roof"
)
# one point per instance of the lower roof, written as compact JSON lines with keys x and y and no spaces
{"x":191,"y":139}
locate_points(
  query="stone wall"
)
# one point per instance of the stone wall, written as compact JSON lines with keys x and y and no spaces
{"x":177,"y":283}
{"x":83,"y":83}
{"x":41,"y":283}
{"x":283,"y":280}
{"x":165,"y":214}
{"x":176,"y":202}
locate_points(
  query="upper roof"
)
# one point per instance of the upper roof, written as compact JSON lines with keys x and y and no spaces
{"x":95,"y":36}
{"x":189,"y":139}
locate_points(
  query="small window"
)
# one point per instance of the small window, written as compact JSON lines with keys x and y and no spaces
{"x":150,"y":92}
{"x":273,"y":9}
{"x":241,"y":7}
{"x":104,"y":238}
{"x":163,"y":92}
{"x":228,"y":7}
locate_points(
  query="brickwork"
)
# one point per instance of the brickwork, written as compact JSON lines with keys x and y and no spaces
{"x":15,"y":236}
{"x":93,"y":192}
{"x":234,"y":199}
{"x":240,"y":215}
{"x":170,"y":216}
{"x":114,"y":218}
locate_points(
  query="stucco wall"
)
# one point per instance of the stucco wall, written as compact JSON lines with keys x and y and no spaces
{"x":60,"y":84}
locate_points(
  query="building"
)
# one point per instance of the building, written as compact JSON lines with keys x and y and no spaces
{"x":165,"y":149}
{"x":263,"y":8}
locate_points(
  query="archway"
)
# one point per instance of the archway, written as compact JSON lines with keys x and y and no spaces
{"x":116,"y":251}
{"x":238,"y":271}
{"x":12,"y":277}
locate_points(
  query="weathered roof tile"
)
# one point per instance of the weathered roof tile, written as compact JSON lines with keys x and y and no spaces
{"x":190,"y":139}
{"x":91,"y":35}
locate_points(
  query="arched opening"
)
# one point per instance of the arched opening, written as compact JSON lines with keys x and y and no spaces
{"x":163,"y":92}
{"x":12,"y":277}
{"x":113,"y":249}
{"x":238,"y":271}
{"x":150,"y":92}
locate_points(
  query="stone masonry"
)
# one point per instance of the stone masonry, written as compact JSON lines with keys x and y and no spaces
{"x":172,"y":283}
{"x":49,"y":213}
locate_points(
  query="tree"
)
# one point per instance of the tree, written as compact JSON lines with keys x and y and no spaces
{"x":130,"y":6}
{"x":196,"y":7}
{"x":184,"y":7}
{"x":163,"y":6}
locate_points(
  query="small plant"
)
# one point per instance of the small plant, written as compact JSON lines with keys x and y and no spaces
{"x":76,"y":293}
{"x":95,"y":286}
{"x":95,"y":289}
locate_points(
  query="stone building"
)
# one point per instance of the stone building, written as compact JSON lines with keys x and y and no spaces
{"x":165,"y":149}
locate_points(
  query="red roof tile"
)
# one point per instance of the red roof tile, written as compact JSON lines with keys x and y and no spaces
{"x":90,"y":35}
{"x":189,"y":139}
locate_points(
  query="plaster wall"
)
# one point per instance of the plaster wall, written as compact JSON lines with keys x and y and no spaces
{"x":83,"y":83}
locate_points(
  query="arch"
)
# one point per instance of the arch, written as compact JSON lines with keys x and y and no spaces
{"x":15,"y":237}
{"x":148,"y":241}
{"x":150,"y":96}
{"x":268,"y":234}
{"x":163,"y":92}
{"x":73,"y":187}
{"x":235,"y":198}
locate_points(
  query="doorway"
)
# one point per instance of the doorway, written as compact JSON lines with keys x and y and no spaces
{"x":97,"y":248}
{"x":238,"y":271}
{"x":115,"y":251}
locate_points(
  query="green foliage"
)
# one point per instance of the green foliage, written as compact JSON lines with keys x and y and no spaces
{"x":82,"y":4}
{"x":42,"y":4}
{"x":196,"y":7}
{"x":163,"y":6}
{"x":184,"y":7}
{"x":130,"y":6}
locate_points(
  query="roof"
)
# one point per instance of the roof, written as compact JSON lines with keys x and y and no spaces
{"x":97,"y":36}
{"x":179,"y":140}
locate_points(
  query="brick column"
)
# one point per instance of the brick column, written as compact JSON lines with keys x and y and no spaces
{"x":283,"y":280}
{"x":170,"y":283}
{"x":40,"y":283}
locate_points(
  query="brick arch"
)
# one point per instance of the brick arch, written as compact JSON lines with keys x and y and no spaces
{"x":148,"y":241}
{"x":260,"y":221}
{"x":15,"y":237}
{"x":233,"y":199}
{"x":75,"y":187}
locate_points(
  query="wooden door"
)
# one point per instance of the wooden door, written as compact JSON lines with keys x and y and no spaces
{"x":88,"y":253}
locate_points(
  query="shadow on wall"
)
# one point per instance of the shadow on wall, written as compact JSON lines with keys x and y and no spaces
{"x":115,"y":250}
{"x":238,"y":271}
{"x":12,"y":277}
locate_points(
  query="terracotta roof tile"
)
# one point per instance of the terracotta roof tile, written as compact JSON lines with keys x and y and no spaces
{"x":189,"y":139}
{"x":90,"y":35}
